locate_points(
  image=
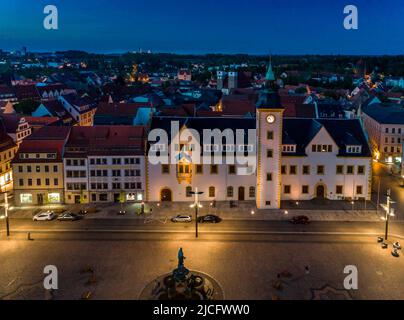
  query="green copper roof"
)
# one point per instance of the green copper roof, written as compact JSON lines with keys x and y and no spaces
{"x":270,"y":74}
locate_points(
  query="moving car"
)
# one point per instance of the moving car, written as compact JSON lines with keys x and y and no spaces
{"x":300,"y":220}
{"x":181,"y":218}
{"x":210,"y":218}
{"x":44,"y":216}
{"x":69,"y":216}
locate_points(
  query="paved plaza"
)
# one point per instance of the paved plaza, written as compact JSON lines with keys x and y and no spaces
{"x":246,"y":267}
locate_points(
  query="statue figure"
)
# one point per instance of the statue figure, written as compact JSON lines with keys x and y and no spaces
{"x":180,"y":258}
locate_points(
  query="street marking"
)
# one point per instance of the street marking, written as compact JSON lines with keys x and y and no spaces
{"x":336,"y":233}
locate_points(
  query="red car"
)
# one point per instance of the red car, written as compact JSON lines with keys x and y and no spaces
{"x":300,"y":220}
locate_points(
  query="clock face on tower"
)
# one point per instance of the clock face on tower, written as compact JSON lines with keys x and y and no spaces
{"x":271,"y":118}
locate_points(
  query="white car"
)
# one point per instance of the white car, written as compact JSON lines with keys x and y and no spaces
{"x":44,"y":216}
{"x":182,"y":218}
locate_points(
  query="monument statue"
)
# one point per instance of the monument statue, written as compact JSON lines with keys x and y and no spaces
{"x":181,"y":258}
{"x":183,"y":284}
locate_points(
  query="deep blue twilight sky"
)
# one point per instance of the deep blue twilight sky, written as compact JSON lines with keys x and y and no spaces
{"x":200,"y":26}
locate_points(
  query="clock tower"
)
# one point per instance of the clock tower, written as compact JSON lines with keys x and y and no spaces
{"x":269,"y":117}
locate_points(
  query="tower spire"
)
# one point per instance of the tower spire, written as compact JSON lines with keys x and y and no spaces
{"x":270,"y":74}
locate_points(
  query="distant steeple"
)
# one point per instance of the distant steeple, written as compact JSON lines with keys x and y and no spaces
{"x":268,"y":96}
{"x":270,"y":74}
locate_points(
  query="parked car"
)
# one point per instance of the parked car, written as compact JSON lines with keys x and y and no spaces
{"x":181,"y":218}
{"x":69,"y":216}
{"x":44,"y":216}
{"x":210,"y":218}
{"x":300,"y":220}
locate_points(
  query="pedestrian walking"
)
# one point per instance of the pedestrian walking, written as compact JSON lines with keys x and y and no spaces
{"x":307,"y":270}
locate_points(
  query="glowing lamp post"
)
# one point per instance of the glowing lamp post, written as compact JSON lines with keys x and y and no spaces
{"x":196,"y":205}
{"x":389,"y":213}
{"x":6,"y":213}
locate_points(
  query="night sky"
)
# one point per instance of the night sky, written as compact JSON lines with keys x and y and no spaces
{"x":201,"y":26}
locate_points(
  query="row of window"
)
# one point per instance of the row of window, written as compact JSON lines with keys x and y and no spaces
{"x":26,"y":198}
{"x":393,"y":130}
{"x":186,"y":168}
{"x":340,"y":169}
{"x":37,"y":156}
{"x":7,"y":167}
{"x":229,"y":191}
{"x":392,"y":149}
{"x":23,"y":134}
{"x":393,"y":140}
{"x":207,"y":148}
{"x":115,"y":161}
{"x":21,"y":182}
{"x":7,"y":155}
{"x":115,"y":173}
{"x":102,"y":173}
{"x":321,"y":148}
{"x":339,"y":189}
{"x":37,"y":168}
{"x":115,"y":186}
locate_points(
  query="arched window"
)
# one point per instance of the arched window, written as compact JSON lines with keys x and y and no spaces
{"x":251,"y":192}
{"x":188,"y":191}
{"x":230,"y":192}
{"x":212,"y":191}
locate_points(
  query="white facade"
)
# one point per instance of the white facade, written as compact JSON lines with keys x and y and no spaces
{"x":227,"y":186}
{"x":324,"y":169}
{"x":385,"y":139}
{"x":105,"y":179}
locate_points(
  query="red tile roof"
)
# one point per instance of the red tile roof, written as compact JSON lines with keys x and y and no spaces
{"x":129,"y":109}
{"x":107,"y":140}
{"x":6,"y":142}
{"x":50,"y":133}
{"x":26,"y":92}
{"x":41,"y":121}
{"x":40,"y":146}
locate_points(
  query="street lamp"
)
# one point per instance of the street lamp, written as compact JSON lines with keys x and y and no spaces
{"x":389,"y":213}
{"x":196,"y":205}
{"x":6,"y":213}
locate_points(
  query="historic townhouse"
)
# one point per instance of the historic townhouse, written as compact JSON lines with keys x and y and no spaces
{"x":16,"y":127}
{"x":8,"y":149}
{"x":82,"y":110}
{"x":38,"y":167}
{"x":105,"y":164}
{"x":384,"y":124}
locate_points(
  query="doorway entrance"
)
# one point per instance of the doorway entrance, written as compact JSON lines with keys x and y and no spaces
{"x":40,"y":199}
{"x":241,"y":191}
{"x":77,"y":199}
{"x":320,"y":191}
{"x":166,"y":195}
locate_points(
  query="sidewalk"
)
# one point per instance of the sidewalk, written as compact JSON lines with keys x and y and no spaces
{"x":241,"y":211}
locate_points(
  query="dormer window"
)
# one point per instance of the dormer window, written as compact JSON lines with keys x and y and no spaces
{"x":289,"y":148}
{"x":353,"y":149}
{"x":321,"y":148}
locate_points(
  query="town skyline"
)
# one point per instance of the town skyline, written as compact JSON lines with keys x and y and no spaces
{"x":229,"y":27}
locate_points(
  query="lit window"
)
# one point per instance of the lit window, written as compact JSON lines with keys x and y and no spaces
{"x":54,"y":197}
{"x":26,"y":198}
